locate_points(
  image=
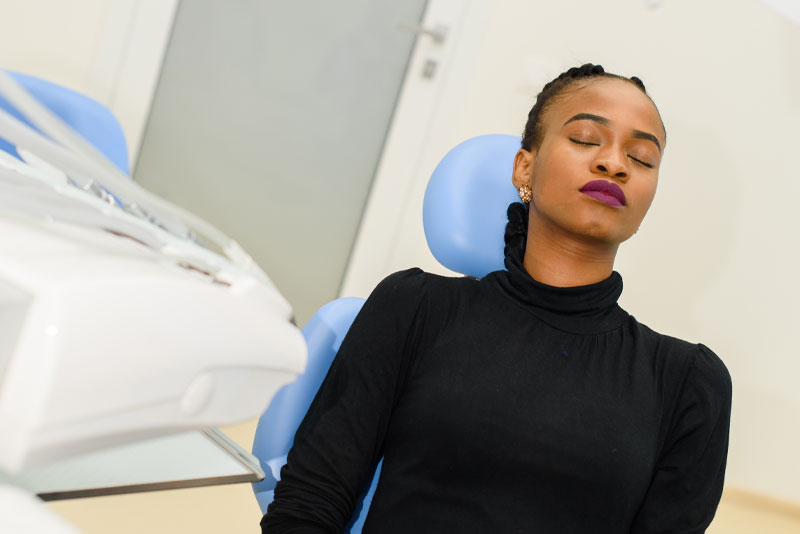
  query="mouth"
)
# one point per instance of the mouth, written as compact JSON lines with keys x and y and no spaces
{"x":606,"y":192}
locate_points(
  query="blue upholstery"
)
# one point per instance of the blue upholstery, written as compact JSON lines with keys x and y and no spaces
{"x":464,"y":211}
{"x":464,"y":215}
{"x":276,"y":428}
{"x":92,"y":120}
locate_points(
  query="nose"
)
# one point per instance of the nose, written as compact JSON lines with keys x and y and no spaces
{"x":612,"y":165}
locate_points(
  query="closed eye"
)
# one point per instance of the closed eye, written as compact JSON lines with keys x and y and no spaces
{"x":584,"y":143}
{"x":640,"y":162}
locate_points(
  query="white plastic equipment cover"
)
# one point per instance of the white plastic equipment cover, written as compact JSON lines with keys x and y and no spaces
{"x":115,"y":323}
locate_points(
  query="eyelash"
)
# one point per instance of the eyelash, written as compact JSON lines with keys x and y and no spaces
{"x":640,"y":162}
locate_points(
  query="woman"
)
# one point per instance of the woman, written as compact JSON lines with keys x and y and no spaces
{"x":527,"y":401}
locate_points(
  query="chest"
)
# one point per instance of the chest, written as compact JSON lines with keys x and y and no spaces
{"x":526,"y":398}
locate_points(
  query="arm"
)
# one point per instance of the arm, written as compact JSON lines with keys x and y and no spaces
{"x":687,"y":483}
{"x":340,"y":440}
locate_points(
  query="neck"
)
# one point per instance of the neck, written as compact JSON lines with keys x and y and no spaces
{"x":557,"y":258}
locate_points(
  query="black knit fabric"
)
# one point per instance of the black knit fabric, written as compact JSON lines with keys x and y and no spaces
{"x":506,"y":405}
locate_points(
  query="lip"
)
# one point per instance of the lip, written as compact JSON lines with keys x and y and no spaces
{"x":604,"y":191}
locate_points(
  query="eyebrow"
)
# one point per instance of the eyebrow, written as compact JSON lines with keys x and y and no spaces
{"x":638,"y":134}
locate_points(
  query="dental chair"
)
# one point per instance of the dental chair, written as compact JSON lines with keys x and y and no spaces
{"x":92,"y":120}
{"x":464,"y":217}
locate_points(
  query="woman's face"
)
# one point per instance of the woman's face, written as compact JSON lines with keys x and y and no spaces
{"x":595,"y":173}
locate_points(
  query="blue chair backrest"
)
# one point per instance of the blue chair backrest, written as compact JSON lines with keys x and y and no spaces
{"x":464,"y":216}
{"x":277,"y":426}
{"x":464,"y":210}
{"x":92,"y":120}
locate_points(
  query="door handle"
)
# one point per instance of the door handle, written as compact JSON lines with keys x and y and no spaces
{"x":437,"y":34}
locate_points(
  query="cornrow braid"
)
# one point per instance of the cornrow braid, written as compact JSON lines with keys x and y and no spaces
{"x":532,"y":137}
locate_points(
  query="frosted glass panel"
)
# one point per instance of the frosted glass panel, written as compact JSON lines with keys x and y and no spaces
{"x":269,"y":119}
{"x":189,"y":459}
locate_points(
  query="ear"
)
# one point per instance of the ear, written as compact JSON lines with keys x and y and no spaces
{"x":523,"y":167}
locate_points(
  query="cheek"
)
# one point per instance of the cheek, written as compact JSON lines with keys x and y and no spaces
{"x":551,"y":181}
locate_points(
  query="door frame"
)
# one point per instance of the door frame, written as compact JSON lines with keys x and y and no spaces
{"x":127,"y":62}
{"x":390,"y":234}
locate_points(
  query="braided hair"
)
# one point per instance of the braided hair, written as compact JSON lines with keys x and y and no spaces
{"x":517,"y":227}
{"x":532,"y":137}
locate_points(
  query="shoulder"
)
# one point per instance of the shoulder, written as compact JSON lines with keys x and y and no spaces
{"x":693,"y":365}
{"x":416,"y":282}
{"x":431,"y":299}
{"x":710,"y":372}
{"x":703,"y":406}
{"x":409,"y":284}
{"x":397,"y":293}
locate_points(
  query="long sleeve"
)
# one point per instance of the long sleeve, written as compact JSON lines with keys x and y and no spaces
{"x":339,"y":442}
{"x":687,"y":484}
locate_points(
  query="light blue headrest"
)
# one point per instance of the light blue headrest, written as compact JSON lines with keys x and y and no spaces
{"x":92,"y":120}
{"x":464,"y":211}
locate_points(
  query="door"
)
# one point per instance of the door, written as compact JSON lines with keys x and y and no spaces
{"x":269,"y":120}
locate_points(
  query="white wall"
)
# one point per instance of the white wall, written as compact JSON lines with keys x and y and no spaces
{"x":56,"y":39}
{"x":716,"y":261}
{"x":110,"y":50}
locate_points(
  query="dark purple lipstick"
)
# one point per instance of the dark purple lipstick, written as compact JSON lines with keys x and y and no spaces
{"x":604,"y":191}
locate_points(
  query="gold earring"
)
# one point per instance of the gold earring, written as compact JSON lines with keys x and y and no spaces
{"x":525,"y":193}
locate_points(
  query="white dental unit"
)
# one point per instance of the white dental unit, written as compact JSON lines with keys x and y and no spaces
{"x":116,"y":324}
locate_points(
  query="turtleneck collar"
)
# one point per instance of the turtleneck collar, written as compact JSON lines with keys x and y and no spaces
{"x":583,"y":309}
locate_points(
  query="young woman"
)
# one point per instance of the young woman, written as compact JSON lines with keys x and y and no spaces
{"x":527,"y":401}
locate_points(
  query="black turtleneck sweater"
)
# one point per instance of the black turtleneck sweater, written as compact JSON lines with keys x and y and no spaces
{"x":506,"y":405}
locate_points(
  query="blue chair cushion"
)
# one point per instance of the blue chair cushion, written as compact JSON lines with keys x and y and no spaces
{"x":464,"y":210}
{"x":274,"y":437}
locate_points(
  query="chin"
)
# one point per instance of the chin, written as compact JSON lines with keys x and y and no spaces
{"x":602,"y":232}
{"x":602,"y":228}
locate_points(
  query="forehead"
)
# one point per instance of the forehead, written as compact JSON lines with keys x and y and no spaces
{"x":621,"y":102}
